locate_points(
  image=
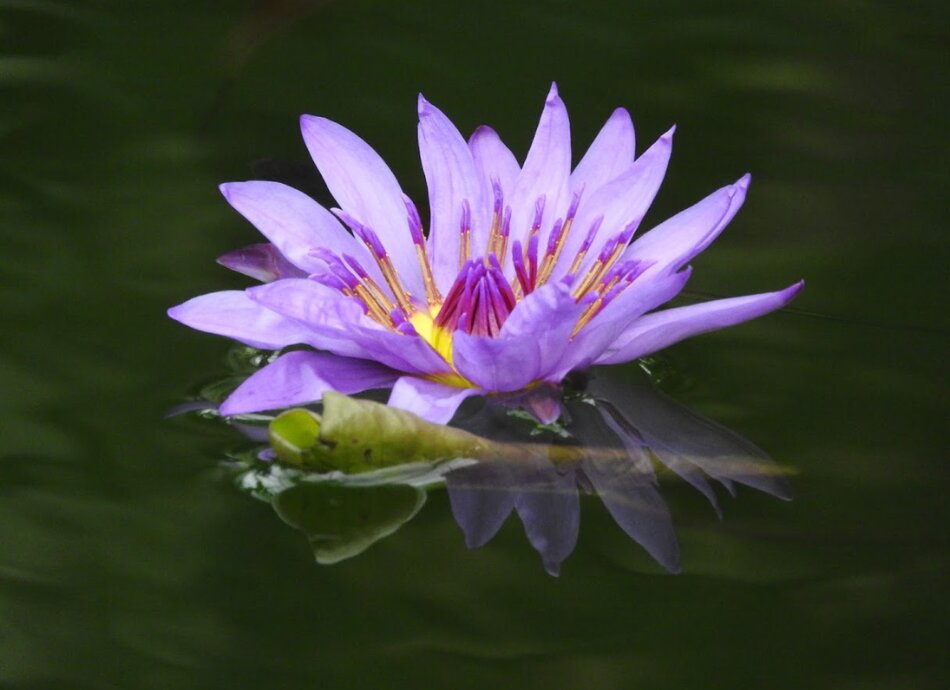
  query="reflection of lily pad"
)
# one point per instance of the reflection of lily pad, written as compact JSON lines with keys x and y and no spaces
{"x":343,"y":521}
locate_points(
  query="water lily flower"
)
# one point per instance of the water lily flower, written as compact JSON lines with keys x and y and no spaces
{"x":526,"y":273}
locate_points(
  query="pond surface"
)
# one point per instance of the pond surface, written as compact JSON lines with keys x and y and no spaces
{"x":128,"y":558}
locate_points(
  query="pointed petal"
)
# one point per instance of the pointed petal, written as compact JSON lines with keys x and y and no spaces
{"x":546,"y":170}
{"x":663,"y":328}
{"x":337,"y":324}
{"x":302,"y":377}
{"x":493,"y":161}
{"x":624,"y":200}
{"x":482,"y":497}
{"x":677,"y":240}
{"x":430,"y":400}
{"x":451,"y":177}
{"x":366,"y":188}
{"x":294,"y":222}
{"x":594,"y":339}
{"x":610,"y":154}
{"x":260,"y":261}
{"x":232,"y":314}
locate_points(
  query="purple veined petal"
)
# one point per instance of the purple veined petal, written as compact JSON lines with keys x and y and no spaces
{"x":611,"y":153}
{"x":648,"y":292}
{"x":531,"y":344}
{"x":545,"y":172}
{"x":677,"y":240}
{"x":364,"y":187}
{"x":663,"y":328}
{"x":452,"y":178}
{"x":622,"y":201}
{"x":309,"y":302}
{"x":291,"y":220}
{"x":232,"y":314}
{"x":494,"y":162}
{"x":263,"y":262}
{"x":336,"y":323}
{"x":300,"y":377}
{"x":482,"y":497}
{"x":549,"y":508}
{"x":430,"y":400}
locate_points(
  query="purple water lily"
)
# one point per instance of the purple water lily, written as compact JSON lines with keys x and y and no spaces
{"x":527,"y":271}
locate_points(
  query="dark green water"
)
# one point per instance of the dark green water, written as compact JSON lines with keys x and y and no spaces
{"x":126,"y":561}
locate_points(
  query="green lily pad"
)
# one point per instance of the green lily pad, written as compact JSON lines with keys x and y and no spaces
{"x":353,"y":436}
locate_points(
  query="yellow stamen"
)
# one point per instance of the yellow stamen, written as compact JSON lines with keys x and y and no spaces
{"x":599,"y":270}
{"x":392,"y":279}
{"x":376,"y":310}
{"x":595,"y":306}
{"x":433,"y":297}
{"x":576,"y":263}
{"x":465,"y":246}
{"x":550,"y":259}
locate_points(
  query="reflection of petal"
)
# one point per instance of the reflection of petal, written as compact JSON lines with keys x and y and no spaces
{"x":549,"y":508}
{"x":632,"y":439}
{"x":627,"y":485}
{"x":672,"y":431}
{"x":482,"y":497}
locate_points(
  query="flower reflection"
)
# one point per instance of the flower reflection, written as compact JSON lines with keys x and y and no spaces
{"x":616,"y":432}
{"x":618,"y":441}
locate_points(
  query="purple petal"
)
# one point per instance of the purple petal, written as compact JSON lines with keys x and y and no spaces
{"x":336,"y":323}
{"x":621,"y":202}
{"x":494,"y":162}
{"x":663,"y":328}
{"x":261,"y":261}
{"x":610,"y":154}
{"x":530,"y":346}
{"x":545,"y":172}
{"x":430,"y":400}
{"x":621,"y":314}
{"x":366,"y":188}
{"x":232,"y":314}
{"x":451,"y":177}
{"x":294,"y":222}
{"x":298,"y":378}
{"x":677,"y":240}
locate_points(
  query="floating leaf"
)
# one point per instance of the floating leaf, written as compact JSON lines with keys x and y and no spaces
{"x":355,"y":435}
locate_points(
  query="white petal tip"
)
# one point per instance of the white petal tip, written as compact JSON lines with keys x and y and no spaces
{"x":552,"y":93}
{"x":668,"y":135}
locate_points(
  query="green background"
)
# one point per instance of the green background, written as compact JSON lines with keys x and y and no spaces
{"x":128,"y":561}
